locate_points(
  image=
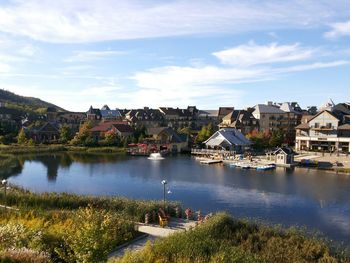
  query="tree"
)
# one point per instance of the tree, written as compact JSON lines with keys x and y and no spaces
{"x":110,"y":138}
{"x":21,"y":138}
{"x":84,"y":137}
{"x":65,"y":134}
{"x":276,"y":139}
{"x":205,"y":133}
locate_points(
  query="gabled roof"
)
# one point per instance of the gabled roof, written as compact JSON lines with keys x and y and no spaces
{"x":223,"y":111}
{"x":105,"y":126}
{"x":229,"y":135}
{"x":93,"y":111}
{"x":122,"y":127}
{"x":174,"y":136}
{"x":284,"y":150}
{"x":262,"y":108}
{"x":321,"y":112}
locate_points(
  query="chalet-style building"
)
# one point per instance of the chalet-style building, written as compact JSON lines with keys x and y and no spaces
{"x":228,"y":139}
{"x":46,"y":133}
{"x":165,"y":139}
{"x":323,"y":132}
{"x":179,"y":118}
{"x":242,"y":120}
{"x":122,"y":129}
{"x":147,"y":117}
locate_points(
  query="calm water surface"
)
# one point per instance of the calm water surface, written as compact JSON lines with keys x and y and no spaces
{"x":315,"y":199}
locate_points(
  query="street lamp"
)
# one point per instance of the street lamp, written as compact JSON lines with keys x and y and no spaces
{"x":4,"y":182}
{"x":164,"y":182}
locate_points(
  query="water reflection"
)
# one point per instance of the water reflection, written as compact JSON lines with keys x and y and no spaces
{"x":294,"y":196}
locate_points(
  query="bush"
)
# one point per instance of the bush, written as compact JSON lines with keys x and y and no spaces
{"x":224,"y":239}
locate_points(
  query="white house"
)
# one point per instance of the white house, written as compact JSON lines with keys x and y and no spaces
{"x":228,"y":139}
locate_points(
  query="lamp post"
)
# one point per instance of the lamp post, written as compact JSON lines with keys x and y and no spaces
{"x":4,"y":182}
{"x":164,"y":182}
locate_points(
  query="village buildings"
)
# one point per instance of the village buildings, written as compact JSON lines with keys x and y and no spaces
{"x":326,"y":131}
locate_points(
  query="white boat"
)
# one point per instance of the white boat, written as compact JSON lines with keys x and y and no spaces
{"x":265,"y":167}
{"x":155,"y":156}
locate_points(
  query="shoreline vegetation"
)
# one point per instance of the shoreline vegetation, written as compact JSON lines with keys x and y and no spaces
{"x":26,"y":149}
{"x":7,"y":153}
{"x":61,"y":227}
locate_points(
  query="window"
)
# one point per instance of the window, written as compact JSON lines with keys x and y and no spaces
{"x":329,"y":125}
{"x":317,"y":125}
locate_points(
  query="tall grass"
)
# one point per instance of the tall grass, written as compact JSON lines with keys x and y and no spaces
{"x":224,"y":239}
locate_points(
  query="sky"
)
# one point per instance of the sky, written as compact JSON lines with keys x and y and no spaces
{"x":208,"y":53}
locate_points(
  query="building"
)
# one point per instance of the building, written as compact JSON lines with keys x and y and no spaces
{"x":228,"y":139}
{"x":93,"y":114}
{"x":242,"y":120}
{"x":46,"y":133}
{"x":283,"y":156}
{"x":110,"y":115}
{"x":275,"y":117}
{"x":323,"y":132}
{"x":122,"y":129}
{"x":146,"y":117}
{"x":165,"y":139}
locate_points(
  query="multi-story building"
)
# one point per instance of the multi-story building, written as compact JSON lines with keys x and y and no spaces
{"x":282,"y":117}
{"x":323,"y":132}
{"x":242,"y":120}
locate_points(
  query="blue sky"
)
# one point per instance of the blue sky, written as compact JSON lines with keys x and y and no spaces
{"x":130,"y":54}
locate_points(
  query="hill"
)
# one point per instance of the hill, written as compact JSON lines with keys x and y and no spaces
{"x":27,"y":104}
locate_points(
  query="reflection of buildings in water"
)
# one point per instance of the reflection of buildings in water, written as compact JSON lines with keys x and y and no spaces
{"x":53,"y":163}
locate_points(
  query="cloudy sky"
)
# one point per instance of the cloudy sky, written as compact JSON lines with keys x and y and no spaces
{"x":209,"y":53}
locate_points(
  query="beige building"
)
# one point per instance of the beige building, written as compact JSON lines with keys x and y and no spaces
{"x":323,"y":132}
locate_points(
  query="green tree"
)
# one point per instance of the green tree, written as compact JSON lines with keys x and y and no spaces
{"x":205,"y":133}
{"x":21,"y":138}
{"x":65,"y":134}
{"x":276,"y":139}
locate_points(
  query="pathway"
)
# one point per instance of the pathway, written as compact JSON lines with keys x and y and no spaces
{"x":152,"y":232}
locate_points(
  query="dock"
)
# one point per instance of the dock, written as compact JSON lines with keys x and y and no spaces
{"x":209,"y":161}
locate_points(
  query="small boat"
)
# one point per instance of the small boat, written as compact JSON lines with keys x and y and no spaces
{"x":265,"y":167}
{"x":155,"y":157}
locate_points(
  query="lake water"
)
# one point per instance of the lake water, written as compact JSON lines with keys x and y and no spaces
{"x":303,"y":197}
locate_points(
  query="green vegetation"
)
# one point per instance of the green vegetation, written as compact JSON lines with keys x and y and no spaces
{"x":21,"y":138}
{"x":264,"y":140}
{"x":52,"y":227}
{"x":205,"y":133}
{"x":224,"y":239}
{"x":30,"y":149}
{"x":25,"y":104}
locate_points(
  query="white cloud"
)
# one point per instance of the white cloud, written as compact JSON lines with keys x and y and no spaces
{"x":338,"y":30}
{"x":253,"y":54}
{"x":99,"y":20}
{"x":86,"y":55}
{"x":27,"y":50}
{"x":4,"y":68}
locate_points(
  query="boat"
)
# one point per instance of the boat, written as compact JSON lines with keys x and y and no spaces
{"x":265,"y":167}
{"x":155,"y":157}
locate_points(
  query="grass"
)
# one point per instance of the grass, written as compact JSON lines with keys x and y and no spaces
{"x":225,"y":239}
{"x":61,"y":227}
